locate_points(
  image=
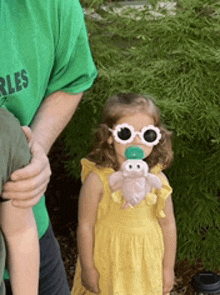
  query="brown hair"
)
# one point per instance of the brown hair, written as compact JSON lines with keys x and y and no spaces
{"x":118,"y":106}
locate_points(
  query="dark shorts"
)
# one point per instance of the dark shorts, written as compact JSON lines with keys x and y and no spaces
{"x":53,"y":280}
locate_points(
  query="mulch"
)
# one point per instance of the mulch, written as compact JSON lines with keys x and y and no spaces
{"x":62,"y":201}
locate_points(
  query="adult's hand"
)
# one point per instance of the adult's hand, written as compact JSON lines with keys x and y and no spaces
{"x":28,"y":184}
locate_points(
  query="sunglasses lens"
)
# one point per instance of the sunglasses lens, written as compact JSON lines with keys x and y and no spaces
{"x":124,"y":133}
{"x":150,"y":135}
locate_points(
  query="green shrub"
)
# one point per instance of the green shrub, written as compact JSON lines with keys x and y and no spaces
{"x":92,"y":3}
{"x":177,"y":60}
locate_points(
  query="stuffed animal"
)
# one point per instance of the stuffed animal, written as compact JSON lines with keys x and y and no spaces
{"x":134,"y":179}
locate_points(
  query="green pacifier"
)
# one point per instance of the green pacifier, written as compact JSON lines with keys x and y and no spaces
{"x":134,"y":153}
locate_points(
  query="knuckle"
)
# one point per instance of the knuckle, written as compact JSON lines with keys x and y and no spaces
{"x":46,"y":160}
{"x":49,"y":172}
{"x":46,"y":164}
{"x":38,"y":191}
{"x":33,"y":187}
{"x":43,"y":191}
{"x":38,"y":200}
{"x":33,"y":202}
{"x":22,"y":204}
{"x":38,"y":168}
{"x":32,"y":194}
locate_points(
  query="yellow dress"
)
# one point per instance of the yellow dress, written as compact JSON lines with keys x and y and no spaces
{"x":129,"y":246}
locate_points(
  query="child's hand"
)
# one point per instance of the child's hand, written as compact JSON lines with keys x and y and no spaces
{"x":90,"y":280}
{"x":168,"y":280}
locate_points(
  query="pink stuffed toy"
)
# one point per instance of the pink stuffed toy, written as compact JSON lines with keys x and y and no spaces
{"x":134,"y":179}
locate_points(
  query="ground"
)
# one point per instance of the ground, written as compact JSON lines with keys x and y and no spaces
{"x":62,"y":201}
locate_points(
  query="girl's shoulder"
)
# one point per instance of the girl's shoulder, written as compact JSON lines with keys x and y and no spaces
{"x":93,"y":183}
{"x":93,"y":179}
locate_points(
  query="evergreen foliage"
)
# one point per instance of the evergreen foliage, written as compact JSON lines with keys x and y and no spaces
{"x":176,"y":59}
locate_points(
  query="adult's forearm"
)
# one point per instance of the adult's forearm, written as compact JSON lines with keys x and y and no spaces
{"x":52,"y":117}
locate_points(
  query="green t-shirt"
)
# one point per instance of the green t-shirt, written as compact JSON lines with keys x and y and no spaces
{"x":14,"y":154}
{"x":43,"y":48}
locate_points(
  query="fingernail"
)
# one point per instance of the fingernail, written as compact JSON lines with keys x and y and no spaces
{"x":13,"y":177}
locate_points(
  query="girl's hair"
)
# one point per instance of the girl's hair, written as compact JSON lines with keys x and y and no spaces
{"x":121,"y":105}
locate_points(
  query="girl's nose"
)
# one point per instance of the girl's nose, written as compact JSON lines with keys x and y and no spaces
{"x":137,"y":139}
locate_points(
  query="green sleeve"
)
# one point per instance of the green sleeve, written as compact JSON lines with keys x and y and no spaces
{"x":74,"y":70}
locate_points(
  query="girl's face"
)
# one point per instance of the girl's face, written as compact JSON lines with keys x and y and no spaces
{"x":138,"y":121}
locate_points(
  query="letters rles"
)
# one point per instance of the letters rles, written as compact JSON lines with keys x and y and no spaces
{"x":13,"y":83}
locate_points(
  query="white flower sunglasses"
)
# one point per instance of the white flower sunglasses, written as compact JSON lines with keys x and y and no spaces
{"x":125,"y":133}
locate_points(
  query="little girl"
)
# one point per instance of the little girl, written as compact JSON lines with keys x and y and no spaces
{"x":124,"y":250}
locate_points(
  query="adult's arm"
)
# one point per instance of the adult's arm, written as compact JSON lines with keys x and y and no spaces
{"x":28,"y":184}
{"x":54,"y":114}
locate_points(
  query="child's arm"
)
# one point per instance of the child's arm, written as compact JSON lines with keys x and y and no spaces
{"x":168,"y":227}
{"x":90,"y":195}
{"x":20,"y":231}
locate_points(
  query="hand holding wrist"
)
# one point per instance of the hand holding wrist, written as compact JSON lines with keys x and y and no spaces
{"x":28,"y":184}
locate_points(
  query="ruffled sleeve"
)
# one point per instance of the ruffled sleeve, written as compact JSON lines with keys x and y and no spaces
{"x":87,"y":167}
{"x":163,"y":193}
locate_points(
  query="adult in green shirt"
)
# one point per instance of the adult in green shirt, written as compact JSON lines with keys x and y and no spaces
{"x":45,"y":66}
